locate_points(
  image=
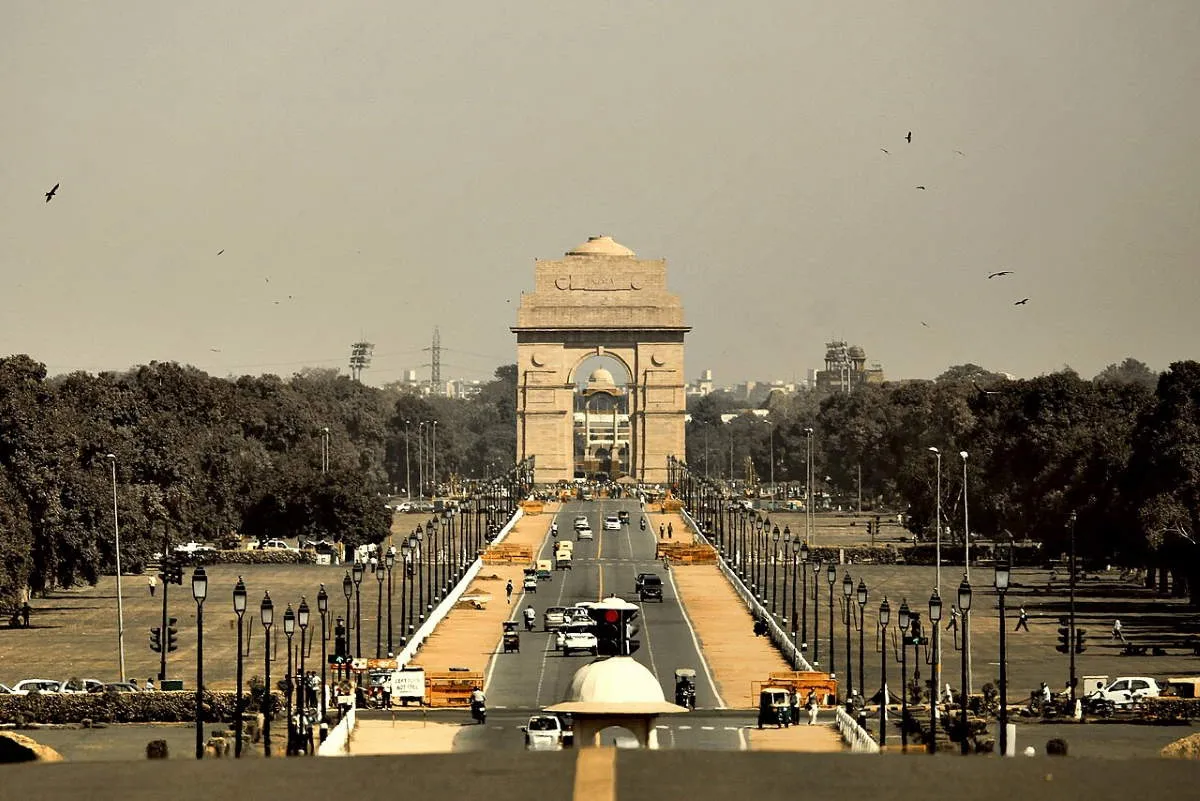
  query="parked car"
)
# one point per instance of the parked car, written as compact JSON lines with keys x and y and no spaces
{"x":193,"y":548}
{"x":584,"y":533}
{"x":651,"y":589}
{"x":1127,"y":690}
{"x":81,"y":686}
{"x":122,"y":687}
{"x":5,"y":689}
{"x":403,"y":506}
{"x":27,"y":686}
{"x":554,"y":617}
{"x":275,"y":545}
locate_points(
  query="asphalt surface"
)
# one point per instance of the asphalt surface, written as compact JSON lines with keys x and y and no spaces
{"x":539,"y":676}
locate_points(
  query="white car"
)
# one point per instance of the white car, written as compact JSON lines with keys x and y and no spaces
{"x":612,"y":523}
{"x":80,"y":686}
{"x":1128,"y":690}
{"x":26,"y":686}
{"x":544,"y":733}
{"x":193,"y":548}
{"x":576,"y":637}
{"x":275,"y":545}
{"x":584,"y":533}
{"x":582,"y":522}
{"x":5,"y":689}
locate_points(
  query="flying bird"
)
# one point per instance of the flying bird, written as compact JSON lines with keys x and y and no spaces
{"x":219,"y":252}
{"x":959,"y":152}
{"x":1002,"y":272}
{"x":50,"y":194}
{"x":1021,"y":302}
{"x":920,"y":187}
{"x":883,"y":149}
{"x":909,"y":137}
{"x":924,"y":323}
{"x":215,"y":350}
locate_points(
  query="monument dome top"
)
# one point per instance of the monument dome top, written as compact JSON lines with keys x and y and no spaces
{"x":600,"y":246}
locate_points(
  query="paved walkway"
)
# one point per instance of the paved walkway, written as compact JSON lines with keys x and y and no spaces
{"x":467,"y":637}
{"x":725,"y":629}
{"x":680,"y":531}
{"x":372,"y":737}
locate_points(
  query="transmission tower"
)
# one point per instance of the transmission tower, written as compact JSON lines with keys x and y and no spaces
{"x":435,"y":360}
{"x":360,"y":358}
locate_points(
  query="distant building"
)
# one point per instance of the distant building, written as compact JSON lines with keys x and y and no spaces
{"x":846,"y":368}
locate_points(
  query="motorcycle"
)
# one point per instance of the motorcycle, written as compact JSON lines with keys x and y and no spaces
{"x":529,"y":623}
{"x":479,"y":711}
{"x":643,"y":524}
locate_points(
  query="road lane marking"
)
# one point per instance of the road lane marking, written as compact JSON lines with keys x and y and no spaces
{"x":743,"y":743}
{"x":595,"y":774}
{"x":696,"y":642}
{"x":707,"y":728}
{"x":550,"y":640}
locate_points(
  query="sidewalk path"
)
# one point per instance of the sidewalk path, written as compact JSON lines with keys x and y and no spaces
{"x":402,"y":737}
{"x":680,"y":532}
{"x":468,"y":637}
{"x":736,"y":657}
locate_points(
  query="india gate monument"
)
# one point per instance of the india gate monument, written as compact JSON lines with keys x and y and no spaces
{"x":600,"y":305}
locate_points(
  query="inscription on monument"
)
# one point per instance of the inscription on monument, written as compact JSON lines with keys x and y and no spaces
{"x":595,"y":283}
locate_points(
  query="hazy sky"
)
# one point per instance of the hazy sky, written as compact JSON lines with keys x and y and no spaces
{"x":379,"y":167}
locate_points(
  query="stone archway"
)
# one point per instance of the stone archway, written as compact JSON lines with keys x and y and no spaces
{"x":600,"y":300}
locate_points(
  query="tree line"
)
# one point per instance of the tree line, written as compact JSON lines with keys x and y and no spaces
{"x":208,"y":458}
{"x":1118,"y":454}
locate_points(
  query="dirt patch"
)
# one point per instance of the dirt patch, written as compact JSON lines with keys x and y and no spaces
{"x":822,"y":737}
{"x":679,"y":529}
{"x":1186,"y":748}
{"x":402,"y":737}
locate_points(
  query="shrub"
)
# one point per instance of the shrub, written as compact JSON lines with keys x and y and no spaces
{"x":148,"y":707}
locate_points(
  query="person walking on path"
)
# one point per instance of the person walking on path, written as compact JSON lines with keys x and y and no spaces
{"x":26,"y":611}
{"x":152,"y":583}
{"x":670,"y":530}
{"x":149,"y":685}
{"x":1022,"y":620}
{"x":953,"y":624}
{"x":1117,"y":634}
{"x":508,"y":592}
{"x":811,"y":705}
{"x":662,"y":531}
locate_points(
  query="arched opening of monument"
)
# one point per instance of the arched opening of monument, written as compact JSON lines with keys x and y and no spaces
{"x":602,"y":433}
{"x":618,"y":737}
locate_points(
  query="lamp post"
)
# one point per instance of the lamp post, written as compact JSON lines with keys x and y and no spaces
{"x":970,"y":677}
{"x":239,"y":609}
{"x":935,"y":617}
{"x":938,"y":526}
{"x":348,"y":591}
{"x":847,"y":592}
{"x":787,"y":551}
{"x":323,"y":608}
{"x":407,"y":468}
{"x":1001,"y":580}
{"x":406,"y":549}
{"x":389,"y":561}
{"x":964,"y":606}
{"x":795,"y":549}
{"x":831,"y":577}
{"x":808,"y":511}
{"x":861,"y":597}
{"x":324,"y":450}
{"x":112,"y":461}
{"x":804,"y":596}
{"x":418,"y":611}
{"x":775,"y":569}
{"x":199,"y":592}
{"x":357,"y":573}
{"x":816,"y":598}
{"x":302,"y":615}
{"x":289,"y":629}
{"x":885,"y":614}
{"x":266,"y":613}
{"x":905,"y":620}
{"x":379,"y":577}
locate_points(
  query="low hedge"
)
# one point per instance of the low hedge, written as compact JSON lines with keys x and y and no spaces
{"x":251,"y":558}
{"x":1171,"y":709}
{"x":143,"y":707}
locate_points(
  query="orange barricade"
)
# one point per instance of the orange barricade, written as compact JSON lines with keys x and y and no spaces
{"x":682,"y":553}
{"x":800,"y":682}
{"x":450,"y":687}
{"x":506,"y":554}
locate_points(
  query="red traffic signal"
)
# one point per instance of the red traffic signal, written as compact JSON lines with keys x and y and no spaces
{"x":611,"y":616}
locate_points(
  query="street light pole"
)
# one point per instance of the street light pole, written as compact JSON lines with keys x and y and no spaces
{"x":861,"y":597}
{"x":831,"y":577}
{"x":325,"y":450}
{"x":970,"y":674}
{"x":1071,"y":619}
{"x":935,"y":617}
{"x":348,"y":591}
{"x":964,"y":606}
{"x":289,"y":629}
{"x":1002,"y":576}
{"x":905,"y":620}
{"x":323,"y":608}
{"x":775,"y":570}
{"x":804,"y":596}
{"x":885,"y":614}
{"x":239,"y":608}
{"x":816,"y":598}
{"x":847,"y":591}
{"x":389,"y":562}
{"x":199,"y":592}
{"x":301,"y":683}
{"x":112,"y":461}
{"x":808,"y":510}
{"x":357,"y":573}
{"x":407,"y":463}
{"x":379,"y":577}
{"x":266,"y":613}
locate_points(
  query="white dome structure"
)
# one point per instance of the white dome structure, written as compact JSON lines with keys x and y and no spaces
{"x":600,"y":378}
{"x":617,"y":685}
{"x":600,"y":246}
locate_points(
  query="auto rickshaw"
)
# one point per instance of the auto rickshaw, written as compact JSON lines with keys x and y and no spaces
{"x":512,"y":637}
{"x":685,"y":687}
{"x":775,"y":707}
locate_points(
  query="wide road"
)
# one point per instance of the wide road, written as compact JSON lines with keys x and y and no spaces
{"x":540,"y":676}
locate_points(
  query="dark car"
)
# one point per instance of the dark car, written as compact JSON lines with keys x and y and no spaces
{"x":637,"y":581}
{"x":651,"y":589}
{"x":623,"y":516}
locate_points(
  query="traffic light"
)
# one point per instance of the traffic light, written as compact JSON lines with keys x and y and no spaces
{"x":1080,"y":639}
{"x":172,"y":635}
{"x":172,"y":572}
{"x":1064,"y":640}
{"x":156,"y":639}
{"x":341,"y":646}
